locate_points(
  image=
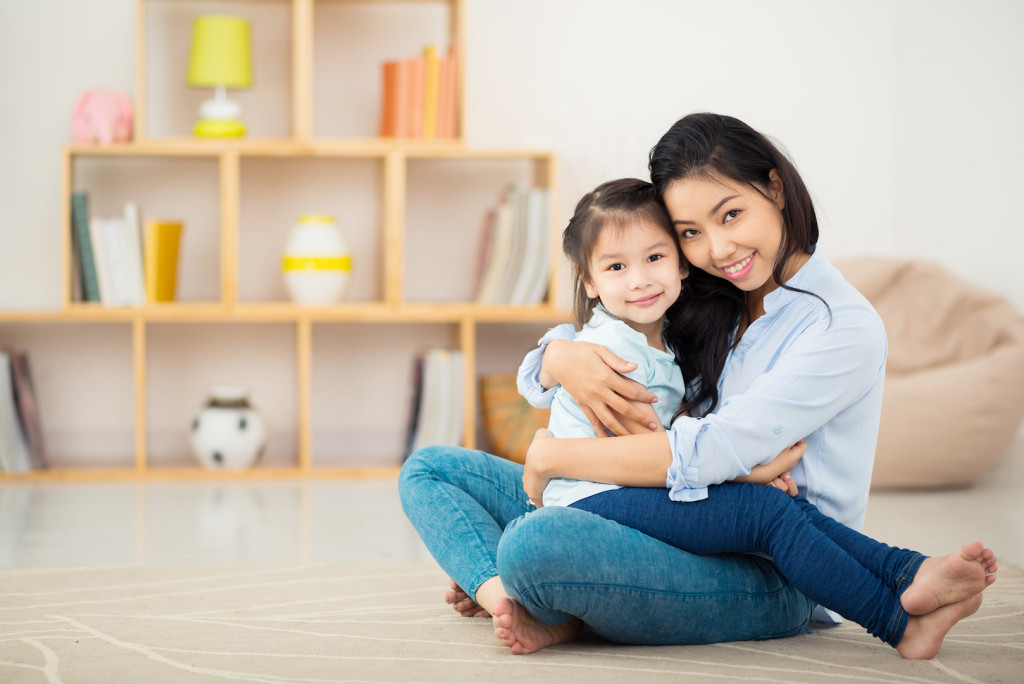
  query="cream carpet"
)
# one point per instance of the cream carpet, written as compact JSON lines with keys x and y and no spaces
{"x":349,"y":623}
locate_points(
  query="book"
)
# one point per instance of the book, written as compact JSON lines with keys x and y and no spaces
{"x":532,"y":278}
{"x":14,"y":456}
{"x":448,"y":95}
{"x":438,"y":400}
{"x":131,"y":236}
{"x":97,"y":231}
{"x":416,"y":79}
{"x":28,"y":409}
{"x":499,"y":254}
{"x":161,"y":246}
{"x":431,"y":75}
{"x":83,"y":243}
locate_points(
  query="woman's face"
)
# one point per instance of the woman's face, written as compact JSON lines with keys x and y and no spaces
{"x":729,"y":229}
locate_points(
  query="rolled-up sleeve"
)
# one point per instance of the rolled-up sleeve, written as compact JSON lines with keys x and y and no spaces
{"x":528,"y":378}
{"x":788,"y":388}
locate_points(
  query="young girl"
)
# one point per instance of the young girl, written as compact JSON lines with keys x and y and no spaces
{"x":628,"y":274}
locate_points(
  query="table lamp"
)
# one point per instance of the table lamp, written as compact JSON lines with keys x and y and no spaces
{"x":220,"y":59}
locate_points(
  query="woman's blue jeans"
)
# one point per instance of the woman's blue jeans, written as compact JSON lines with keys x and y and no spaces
{"x":471,"y":512}
{"x":843,"y":570}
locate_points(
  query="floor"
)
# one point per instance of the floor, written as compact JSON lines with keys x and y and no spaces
{"x":361,"y":521}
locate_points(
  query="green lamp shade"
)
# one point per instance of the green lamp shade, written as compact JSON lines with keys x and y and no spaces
{"x":220,"y":53}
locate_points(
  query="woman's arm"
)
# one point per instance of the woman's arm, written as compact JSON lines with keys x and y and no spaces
{"x":632,"y":461}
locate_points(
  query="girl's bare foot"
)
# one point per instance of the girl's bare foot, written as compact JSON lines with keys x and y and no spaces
{"x":522,"y":634}
{"x":950,"y":579}
{"x":924,"y":634}
{"x":463,"y":605}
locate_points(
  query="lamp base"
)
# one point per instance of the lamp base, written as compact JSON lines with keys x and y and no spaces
{"x":212,"y":128}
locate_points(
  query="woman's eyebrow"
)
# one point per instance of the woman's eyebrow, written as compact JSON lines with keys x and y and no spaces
{"x":714,"y":210}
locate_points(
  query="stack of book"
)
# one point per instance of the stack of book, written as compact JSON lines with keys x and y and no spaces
{"x":117,"y":261}
{"x":420,"y":96}
{"x":437,"y":399}
{"x":21,"y":436}
{"x":515,"y":249}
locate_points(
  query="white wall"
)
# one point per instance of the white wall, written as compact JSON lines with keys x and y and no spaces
{"x":904,"y":116}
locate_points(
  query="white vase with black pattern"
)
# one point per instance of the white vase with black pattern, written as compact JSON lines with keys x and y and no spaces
{"x":228,"y":433}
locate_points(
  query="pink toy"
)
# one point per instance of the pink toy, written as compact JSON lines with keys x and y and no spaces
{"x":103,"y":116}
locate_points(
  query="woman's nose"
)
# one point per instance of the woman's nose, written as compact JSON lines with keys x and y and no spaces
{"x":721,"y":246}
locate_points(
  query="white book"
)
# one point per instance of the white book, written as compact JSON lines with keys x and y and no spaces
{"x":532,"y":280}
{"x":500,"y":253}
{"x":517,"y":249}
{"x":14,"y":456}
{"x":131,"y":233}
{"x":101,"y":259}
{"x":456,"y":371}
{"x":426,"y":422}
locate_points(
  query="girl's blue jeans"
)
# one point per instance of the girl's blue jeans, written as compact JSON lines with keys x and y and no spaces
{"x":843,"y":570}
{"x":470,"y":510}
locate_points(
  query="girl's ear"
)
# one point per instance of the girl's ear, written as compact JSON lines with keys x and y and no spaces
{"x":591,"y":290}
{"x":775,"y":190}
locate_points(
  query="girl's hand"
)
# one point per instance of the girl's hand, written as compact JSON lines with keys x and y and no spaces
{"x":776,"y":469}
{"x":785,"y":483}
{"x":591,"y":374}
{"x":534,"y":481}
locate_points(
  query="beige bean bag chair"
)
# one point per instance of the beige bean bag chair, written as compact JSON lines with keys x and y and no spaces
{"x":954,"y":387}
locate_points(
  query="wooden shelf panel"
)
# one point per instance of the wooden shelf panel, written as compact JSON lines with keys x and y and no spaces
{"x":285,"y":312}
{"x":350,"y":147}
{"x":174,"y":474}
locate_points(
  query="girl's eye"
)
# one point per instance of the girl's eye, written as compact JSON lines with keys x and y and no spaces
{"x":655,"y":257}
{"x":616,"y":267}
{"x":730,"y":215}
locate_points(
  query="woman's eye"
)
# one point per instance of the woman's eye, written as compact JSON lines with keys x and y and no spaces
{"x":730,"y":215}
{"x":687,"y":233}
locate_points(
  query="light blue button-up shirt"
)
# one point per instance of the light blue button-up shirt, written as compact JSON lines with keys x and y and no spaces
{"x":797,"y":373}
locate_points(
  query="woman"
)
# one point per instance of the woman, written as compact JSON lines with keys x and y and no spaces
{"x":804,"y":359}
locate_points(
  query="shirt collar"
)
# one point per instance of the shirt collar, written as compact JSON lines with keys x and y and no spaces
{"x":804,"y":279}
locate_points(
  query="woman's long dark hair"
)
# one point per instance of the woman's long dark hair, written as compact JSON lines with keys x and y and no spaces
{"x":701,"y":325}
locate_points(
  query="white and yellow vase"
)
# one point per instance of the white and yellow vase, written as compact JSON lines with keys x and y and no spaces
{"x":317,"y":261}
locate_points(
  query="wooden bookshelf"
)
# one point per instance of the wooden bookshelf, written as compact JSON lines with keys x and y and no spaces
{"x":227,"y":160}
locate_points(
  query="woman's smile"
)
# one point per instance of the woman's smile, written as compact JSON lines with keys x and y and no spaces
{"x":739,"y":269}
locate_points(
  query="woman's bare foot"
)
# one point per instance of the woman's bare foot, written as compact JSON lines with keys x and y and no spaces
{"x":950,"y":579}
{"x":522,"y":634}
{"x":463,"y":605}
{"x":924,"y":634}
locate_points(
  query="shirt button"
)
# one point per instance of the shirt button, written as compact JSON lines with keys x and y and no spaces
{"x":778,"y":429}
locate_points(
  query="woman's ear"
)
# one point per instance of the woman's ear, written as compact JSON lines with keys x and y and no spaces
{"x":775,"y":190}
{"x":684,"y":270}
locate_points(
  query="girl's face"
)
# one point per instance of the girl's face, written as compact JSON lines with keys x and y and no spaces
{"x":729,"y":229}
{"x":635,"y":271}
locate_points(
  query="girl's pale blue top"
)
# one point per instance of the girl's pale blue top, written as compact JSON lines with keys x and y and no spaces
{"x":800,"y":371}
{"x":655,"y":369}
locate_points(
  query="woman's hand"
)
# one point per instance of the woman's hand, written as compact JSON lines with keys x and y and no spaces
{"x":776,"y":472}
{"x":590,"y":373}
{"x":534,"y":481}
